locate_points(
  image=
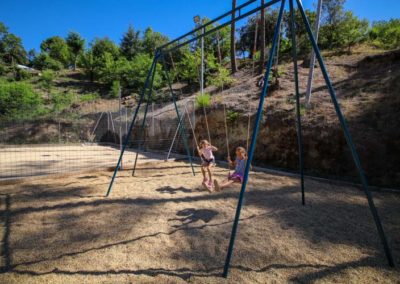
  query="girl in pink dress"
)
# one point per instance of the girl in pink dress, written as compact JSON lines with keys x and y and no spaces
{"x":237,"y":175}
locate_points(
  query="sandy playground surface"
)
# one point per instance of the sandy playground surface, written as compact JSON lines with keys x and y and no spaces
{"x":39,"y":160}
{"x":159,"y":227}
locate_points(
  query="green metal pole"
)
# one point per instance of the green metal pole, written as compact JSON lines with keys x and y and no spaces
{"x":253,"y":142}
{"x":298,"y":116}
{"x":347,"y":135}
{"x":131,"y":125}
{"x":181,"y":126}
{"x":141,"y":132}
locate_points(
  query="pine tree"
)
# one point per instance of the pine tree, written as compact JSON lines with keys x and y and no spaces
{"x":130,"y":43}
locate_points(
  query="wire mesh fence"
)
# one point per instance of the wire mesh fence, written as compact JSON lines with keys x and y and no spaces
{"x":93,"y":139}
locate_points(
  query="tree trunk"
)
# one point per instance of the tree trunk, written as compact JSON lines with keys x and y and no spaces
{"x":262,"y":44}
{"x":233,"y":49}
{"x":219,"y":50}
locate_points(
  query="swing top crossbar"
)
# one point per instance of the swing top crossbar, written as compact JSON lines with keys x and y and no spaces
{"x":169,"y":47}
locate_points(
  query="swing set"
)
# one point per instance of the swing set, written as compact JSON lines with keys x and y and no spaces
{"x":236,"y":15}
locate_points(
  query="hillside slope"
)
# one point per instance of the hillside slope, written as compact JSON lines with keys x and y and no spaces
{"x":367,"y":85}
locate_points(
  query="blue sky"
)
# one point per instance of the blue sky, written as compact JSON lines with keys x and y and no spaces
{"x":39,"y":19}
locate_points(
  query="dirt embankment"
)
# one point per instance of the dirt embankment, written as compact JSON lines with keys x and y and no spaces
{"x":367,"y":89}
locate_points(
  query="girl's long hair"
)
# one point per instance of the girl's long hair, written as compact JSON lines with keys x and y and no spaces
{"x":203,"y":142}
{"x":242,"y":151}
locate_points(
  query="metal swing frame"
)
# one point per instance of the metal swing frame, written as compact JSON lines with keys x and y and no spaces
{"x":175,"y":44}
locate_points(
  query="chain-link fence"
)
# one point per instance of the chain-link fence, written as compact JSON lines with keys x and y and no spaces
{"x":93,"y":139}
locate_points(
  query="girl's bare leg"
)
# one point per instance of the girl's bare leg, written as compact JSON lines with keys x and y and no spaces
{"x":225,"y":183}
{"x":209,"y":174}
{"x":204,"y":174}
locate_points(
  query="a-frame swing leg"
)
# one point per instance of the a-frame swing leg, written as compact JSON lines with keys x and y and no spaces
{"x":141,"y":131}
{"x":347,"y":135}
{"x":298,"y":116}
{"x":253,"y":142}
{"x":128,"y":135}
{"x":182,"y":126}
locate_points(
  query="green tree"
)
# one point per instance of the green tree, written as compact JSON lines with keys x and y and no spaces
{"x":100,"y":46}
{"x":138,"y":70}
{"x":188,"y":66}
{"x":87,"y":62}
{"x":386,"y":34}
{"x":31,"y":56}
{"x":3,"y":33}
{"x":107,"y":69}
{"x":130,"y":43}
{"x":44,"y":61}
{"x":56,"y":48}
{"x":18,"y":100}
{"x":76,"y":45}
{"x":352,"y":30}
{"x":221,"y":78}
{"x":233,"y":41}
{"x":13,"y":50}
{"x":152,"y":40}
{"x":115,"y":89}
{"x":46,"y":80}
{"x":332,"y":15}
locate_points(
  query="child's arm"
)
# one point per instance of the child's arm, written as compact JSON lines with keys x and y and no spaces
{"x":231,"y":163}
{"x":214,"y":148}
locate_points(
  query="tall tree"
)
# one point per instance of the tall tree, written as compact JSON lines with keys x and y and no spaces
{"x":333,"y":14}
{"x":130,"y":43}
{"x":87,"y":62}
{"x":353,"y":30}
{"x":31,"y":55}
{"x":14,"y":52}
{"x":76,"y":45}
{"x":262,"y":40}
{"x":152,"y":40}
{"x":233,"y":29}
{"x":56,"y":48}
{"x":102,"y":45}
{"x":3,"y":33}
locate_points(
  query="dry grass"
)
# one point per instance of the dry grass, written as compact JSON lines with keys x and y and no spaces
{"x":159,"y":227}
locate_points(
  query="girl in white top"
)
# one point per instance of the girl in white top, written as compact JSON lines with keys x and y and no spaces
{"x":205,"y":150}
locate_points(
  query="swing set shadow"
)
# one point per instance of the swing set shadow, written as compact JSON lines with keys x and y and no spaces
{"x":199,"y":32}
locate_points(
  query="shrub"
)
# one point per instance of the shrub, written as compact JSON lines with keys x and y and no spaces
{"x":46,"y":79}
{"x":203,"y":100}
{"x":44,"y":61}
{"x":221,"y":78}
{"x":18,"y":100}
{"x":3,"y":69}
{"x":232,"y":116}
{"x":89,"y":97}
{"x":62,"y":101}
{"x":21,"y":75}
{"x":115,"y":89}
{"x":386,"y":34}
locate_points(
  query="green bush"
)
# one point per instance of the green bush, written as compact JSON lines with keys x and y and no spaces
{"x":46,"y":79}
{"x":89,"y":97}
{"x":18,"y":100}
{"x":203,"y":100}
{"x":62,"y":101}
{"x":221,"y":78}
{"x":386,"y":34}
{"x":44,"y":61}
{"x":21,"y":75}
{"x":115,"y":89}
{"x":232,"y":116}
{"x":3,"y":69}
